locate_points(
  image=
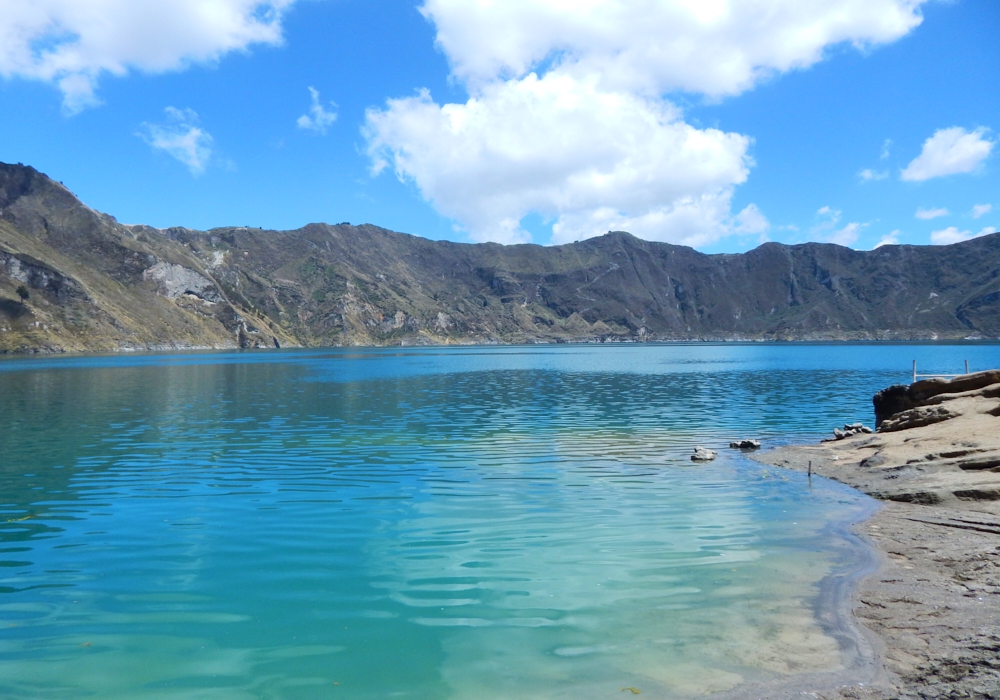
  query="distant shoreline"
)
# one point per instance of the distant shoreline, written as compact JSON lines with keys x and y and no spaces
{"x":617,"y":342}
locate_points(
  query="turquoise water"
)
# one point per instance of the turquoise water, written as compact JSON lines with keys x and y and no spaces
{"x":457,"y":523}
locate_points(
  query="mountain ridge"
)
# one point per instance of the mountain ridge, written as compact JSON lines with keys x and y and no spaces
{"x":97,"y":285}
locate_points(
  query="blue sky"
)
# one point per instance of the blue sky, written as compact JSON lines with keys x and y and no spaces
{"x":717,"y":123}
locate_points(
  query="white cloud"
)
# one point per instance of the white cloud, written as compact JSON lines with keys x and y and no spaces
{"x":318,"y":119}
{"x":891,"y":238}
{"x":831,"y":216}
{"x":826,"y":230}
{"x":867,"y":175}
{"x":886,"y":148}
{"x":589,"y":160}
{"x":953,"y":235}
{"x":927,"y":214}
{"x":71,"y":43}
{"x":751,"y":220}
{"x":981,"y":209}
{"x":713,"y":47}
{"x":846,"y":236}
{"x":180,"y":137}
{"x":567,"y":116}
{"x":949,"y":152}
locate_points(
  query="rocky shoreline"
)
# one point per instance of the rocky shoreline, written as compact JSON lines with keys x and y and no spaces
{"x":932,"y":608}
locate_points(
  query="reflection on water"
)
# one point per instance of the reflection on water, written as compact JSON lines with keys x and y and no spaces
{"x":469,"y":523}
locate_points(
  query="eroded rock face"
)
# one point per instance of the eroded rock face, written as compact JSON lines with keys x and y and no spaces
{"x":175,"y":280}
{"x":917,"y":417}
{"x":903,"y":398}
{"x":38,"y":275}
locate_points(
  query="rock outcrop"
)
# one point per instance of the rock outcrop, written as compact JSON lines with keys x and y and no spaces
{"x":902,"y":397}
{"x":174,"y":280}
{"x":940,"y":446}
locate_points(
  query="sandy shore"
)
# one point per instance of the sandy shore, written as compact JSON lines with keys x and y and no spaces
{"x":931,"y":609}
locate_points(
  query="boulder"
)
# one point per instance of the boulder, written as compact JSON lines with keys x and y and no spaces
{"x":703,"y":454}
{"x":745,"y":444}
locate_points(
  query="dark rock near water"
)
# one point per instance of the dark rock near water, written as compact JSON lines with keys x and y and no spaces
{"x":745,"y":444}
{"x":892,"y":400}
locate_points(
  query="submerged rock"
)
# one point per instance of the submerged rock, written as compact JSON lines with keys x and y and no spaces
{"x":745,"y":444}
{"x":703,"y":454}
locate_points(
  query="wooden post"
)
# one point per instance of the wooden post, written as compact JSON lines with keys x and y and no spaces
{"x":966,"y":366}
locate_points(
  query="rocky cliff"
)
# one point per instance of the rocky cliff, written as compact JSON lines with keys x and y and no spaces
{"x":96,"y":284}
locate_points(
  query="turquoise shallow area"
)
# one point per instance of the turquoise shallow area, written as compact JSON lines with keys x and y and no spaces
{"x":432,"y":523}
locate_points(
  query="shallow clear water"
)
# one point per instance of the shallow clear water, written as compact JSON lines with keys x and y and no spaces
{"x":435,"y":523}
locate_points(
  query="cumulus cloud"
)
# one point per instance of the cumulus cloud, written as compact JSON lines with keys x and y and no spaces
{"x":981,"y":209}
{"x":589,"y":160}
{"x":318,"y":119}
{"x":712,"y":47}
{"x":567,"y":115}
{"x":180,"y":137}
{"x":953,"y":235}
{"x":751,"y":220}
{"x":867,"y":175}
{"x":891,"y":238}
{"x":72,"y":44}
{"x":927,"y":214}
{"x":949,"y":152}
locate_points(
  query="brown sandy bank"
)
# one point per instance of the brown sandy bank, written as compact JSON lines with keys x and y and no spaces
{"x":934,"y":604}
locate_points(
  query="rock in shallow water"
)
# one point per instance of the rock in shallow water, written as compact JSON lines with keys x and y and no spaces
{"x":745,"y":444}
{"x":703,"y":454}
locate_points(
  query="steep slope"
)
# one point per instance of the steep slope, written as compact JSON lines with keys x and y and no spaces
{"x":96,"y":284}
